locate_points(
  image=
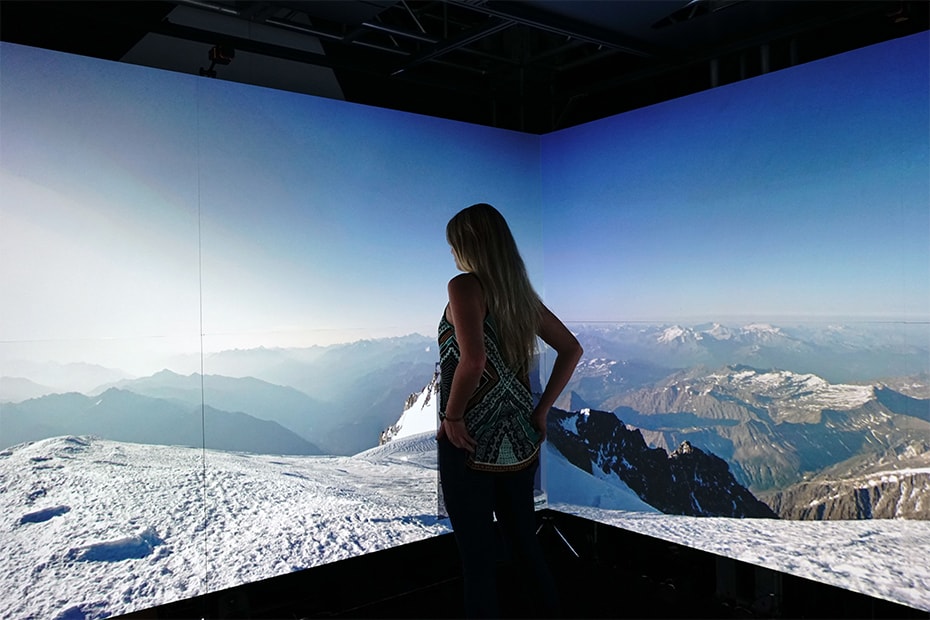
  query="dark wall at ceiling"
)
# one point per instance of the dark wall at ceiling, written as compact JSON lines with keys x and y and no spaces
{"x":527,"y":66}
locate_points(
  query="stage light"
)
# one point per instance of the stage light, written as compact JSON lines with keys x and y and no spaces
{"x":218,"y":55}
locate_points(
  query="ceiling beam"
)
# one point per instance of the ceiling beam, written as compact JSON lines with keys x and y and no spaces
{"x":524,"y":15}
{"x":461,"y":40}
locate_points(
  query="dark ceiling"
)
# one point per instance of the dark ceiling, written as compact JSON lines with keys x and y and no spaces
{"x":533,"y":66}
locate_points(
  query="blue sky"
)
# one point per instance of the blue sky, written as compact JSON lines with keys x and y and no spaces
{"x":137,"y":203}
{"x":133,"y":195}
{"x":800,"y":193}
{"x":342,"y":222}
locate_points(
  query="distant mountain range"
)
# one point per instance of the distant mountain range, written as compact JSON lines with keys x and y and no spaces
{"x":895,"y":484}
{"x":336,"y":399}
{"x":291,"y":408}
{"x":121,"y":415}
{"x":774,"y":427}
{"x":867,"y":351}
{"x":808,"y":447}
{"x":22,"y":380}
{"x":792,"y":436}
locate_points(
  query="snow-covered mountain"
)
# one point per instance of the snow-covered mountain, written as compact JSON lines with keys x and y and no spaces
{"x":686,"y":481}
{"x":839,"y":353}
{"x":773,"y":427}
{"x":774,"y":395}
{"x":682,"y":480}
{"x":419,"y":414}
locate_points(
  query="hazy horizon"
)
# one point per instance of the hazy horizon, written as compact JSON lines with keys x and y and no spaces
{"x":121,"y":357}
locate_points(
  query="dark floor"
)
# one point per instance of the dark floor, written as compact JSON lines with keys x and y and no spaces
{"x":603,"y":572}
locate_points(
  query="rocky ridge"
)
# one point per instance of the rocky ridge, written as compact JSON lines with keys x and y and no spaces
{"x":686,"y":481}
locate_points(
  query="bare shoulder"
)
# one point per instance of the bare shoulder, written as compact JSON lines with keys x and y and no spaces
{"x":465,"y":284}
{"x":466,"y":300}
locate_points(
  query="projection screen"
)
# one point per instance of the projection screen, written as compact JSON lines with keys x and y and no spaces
{"x":217,"y":342}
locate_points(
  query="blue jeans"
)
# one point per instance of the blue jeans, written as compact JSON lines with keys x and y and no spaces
{"x":472,"y":500}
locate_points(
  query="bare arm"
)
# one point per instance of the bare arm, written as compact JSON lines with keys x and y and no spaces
{"x":467,"y":309}
{"x":568,"y":351}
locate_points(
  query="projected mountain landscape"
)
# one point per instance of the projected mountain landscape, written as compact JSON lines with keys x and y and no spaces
{"x":319,"y":400}
{"x":155,"y":523}
{"x":206,"y":333}
{"x":94,"y":528}
{"x":808,"y":447}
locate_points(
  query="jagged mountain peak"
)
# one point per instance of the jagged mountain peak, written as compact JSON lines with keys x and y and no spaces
{"x":718,"y":331}
{"x":684,"y":448}
{"x":419,"y":414}
{"x":892,"y":486}
{"x":677,"y":334}
{"x":687,"y":481}
{"x":577,"y":402}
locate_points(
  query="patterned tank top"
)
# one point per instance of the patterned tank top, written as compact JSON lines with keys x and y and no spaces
{"x":498,"y":414}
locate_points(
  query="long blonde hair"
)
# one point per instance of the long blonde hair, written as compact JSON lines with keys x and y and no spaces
{"x":483,"y":245}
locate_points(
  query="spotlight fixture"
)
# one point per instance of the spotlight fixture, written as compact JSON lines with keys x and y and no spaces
{"x":218,"y":55}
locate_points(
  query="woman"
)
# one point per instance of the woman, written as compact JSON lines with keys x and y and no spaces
{"x":491,"y":431}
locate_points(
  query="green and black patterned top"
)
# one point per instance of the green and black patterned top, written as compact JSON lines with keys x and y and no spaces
{"x":498,"y":414}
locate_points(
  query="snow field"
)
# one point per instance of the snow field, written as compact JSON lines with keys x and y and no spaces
{"x":884,"y":558}
{"x":146,"y":525}
{"x":93,"y":528}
